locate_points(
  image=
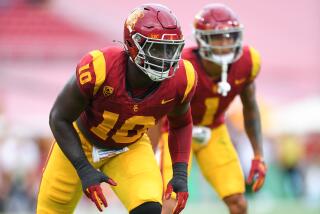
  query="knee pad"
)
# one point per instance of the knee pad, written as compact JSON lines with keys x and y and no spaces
{"x":147,"y":208}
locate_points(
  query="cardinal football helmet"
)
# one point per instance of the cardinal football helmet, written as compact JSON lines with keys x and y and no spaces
{"x":219,"y":34}
{"x":154,"y":40}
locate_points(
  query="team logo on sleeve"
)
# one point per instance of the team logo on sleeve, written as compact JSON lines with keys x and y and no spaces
{"x":107,"y":90}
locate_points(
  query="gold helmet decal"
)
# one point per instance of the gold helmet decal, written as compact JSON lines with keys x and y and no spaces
{"x":133,"y":18}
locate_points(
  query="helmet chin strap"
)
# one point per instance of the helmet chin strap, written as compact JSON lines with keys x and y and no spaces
{"x":223,"y":86}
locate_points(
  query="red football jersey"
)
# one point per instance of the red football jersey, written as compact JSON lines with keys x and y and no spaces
{"x":113,"y":116}
{"x":208,"y":107}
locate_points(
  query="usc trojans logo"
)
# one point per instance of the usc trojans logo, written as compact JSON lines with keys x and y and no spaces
{"x":215,"y":89}
{"x":107,"y":90}
{"x":135,"y":108}
{"x":133,"y":18}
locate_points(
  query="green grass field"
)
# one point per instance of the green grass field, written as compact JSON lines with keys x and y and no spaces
{"x":203,"y":200}
{"x":217,"y":207}
{"x":257,"y":207}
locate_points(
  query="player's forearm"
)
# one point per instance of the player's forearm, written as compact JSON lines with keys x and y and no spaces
{"x":180,"y":135}
{"x":252,"y":125}
{"x":68,"y":140}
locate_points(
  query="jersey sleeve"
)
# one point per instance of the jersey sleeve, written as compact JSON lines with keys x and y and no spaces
{"x":191,"y":82}
{"x":91,"y":72}
{"x":256,"y":64}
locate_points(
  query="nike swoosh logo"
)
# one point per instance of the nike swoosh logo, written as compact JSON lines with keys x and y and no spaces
{"x":238,"y":82}
{"x":166,"y":101}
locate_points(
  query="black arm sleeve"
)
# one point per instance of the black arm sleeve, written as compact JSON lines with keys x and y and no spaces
{"x":66,"y":109}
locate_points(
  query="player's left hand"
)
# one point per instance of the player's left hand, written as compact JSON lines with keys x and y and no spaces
{"x":179,"y":185}
{"x":257,"y":174}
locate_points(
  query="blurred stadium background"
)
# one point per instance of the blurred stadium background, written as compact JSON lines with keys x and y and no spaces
{"x":42,"y":40}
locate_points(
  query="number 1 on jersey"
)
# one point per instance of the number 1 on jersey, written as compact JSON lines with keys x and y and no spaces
{"x":211,"y":108}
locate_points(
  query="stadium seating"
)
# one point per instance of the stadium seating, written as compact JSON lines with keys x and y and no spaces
{"x":34,"y":32}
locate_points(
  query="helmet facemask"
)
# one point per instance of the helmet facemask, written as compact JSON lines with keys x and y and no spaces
{"x":222,"y":47}
{"x":210,"y":49}
{"x":157,"y":57}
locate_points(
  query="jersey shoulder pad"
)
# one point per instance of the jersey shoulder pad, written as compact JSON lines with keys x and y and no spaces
{"x":189,"y":53}
{"x":91,"y":72}
{"x":187,"y":80}
{"x":256,"y":63}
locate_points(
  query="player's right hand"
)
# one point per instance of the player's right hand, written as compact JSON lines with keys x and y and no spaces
{"x":91,"y":180}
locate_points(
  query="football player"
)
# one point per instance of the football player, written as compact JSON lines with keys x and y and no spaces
{"x":226,"y":68}
{"x":100,"y":120}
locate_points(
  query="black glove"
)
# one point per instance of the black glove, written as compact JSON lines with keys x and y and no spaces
{"x":90,"y":180}
{"x":179,"y":185}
